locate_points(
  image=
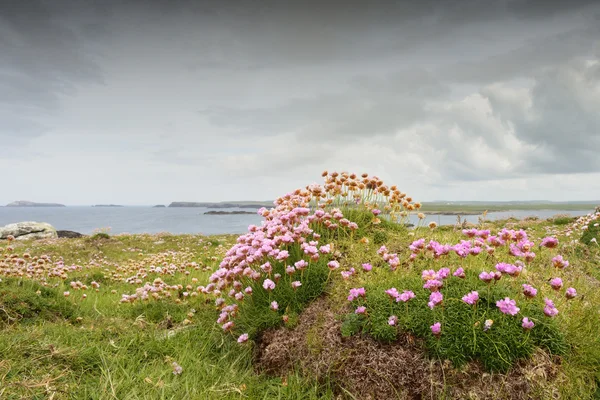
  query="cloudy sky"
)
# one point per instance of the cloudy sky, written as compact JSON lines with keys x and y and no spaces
{"x":145,"y":102}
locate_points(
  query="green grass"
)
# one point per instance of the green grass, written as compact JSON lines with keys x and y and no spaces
{"x":99,"y":348}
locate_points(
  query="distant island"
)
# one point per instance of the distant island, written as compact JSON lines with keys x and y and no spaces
{"x":24,"y":203}
{"x":107,"y":205}
{"x":159,"y":206}
{"x":240,"y":204}
{"x":228,"y":212}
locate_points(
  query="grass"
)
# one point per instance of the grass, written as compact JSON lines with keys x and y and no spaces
{"x":96,"y":347}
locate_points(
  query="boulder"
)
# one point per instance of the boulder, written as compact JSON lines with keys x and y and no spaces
{"x":69,"y":234}
{"x":28,"y":230}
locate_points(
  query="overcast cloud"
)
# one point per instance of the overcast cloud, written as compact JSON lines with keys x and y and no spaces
{"x":134,"y":102}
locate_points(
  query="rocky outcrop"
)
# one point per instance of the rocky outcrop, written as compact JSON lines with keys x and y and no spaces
{"x":24,"y":203}
{"x":69,"y":234}
{"x":28,"y":230}
{"x":159,"y":206}
{"x":107,"y":205}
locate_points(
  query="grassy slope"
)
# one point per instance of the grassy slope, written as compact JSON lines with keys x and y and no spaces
{"x":124,"y":351}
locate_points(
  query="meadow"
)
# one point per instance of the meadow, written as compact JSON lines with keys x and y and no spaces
{"x":337,"y":301}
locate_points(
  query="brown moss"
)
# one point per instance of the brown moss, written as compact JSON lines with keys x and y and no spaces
{"x":361,"y":367}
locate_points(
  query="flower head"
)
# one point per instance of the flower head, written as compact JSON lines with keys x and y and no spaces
{"x":268,"y":284}
{"x":333,"y":265}
{"x":571,"y":293}
{"x":243,"y":338}
{"x":434,"y":299}
{"x":471,"y":298}
{"x":556,"y":283}
{"x":274,"y":306}
{"x":436,"y":329}
{"x":177,"y":369}
{"x":529,"y":291}
{"x":527,"y":324}
{"x":550,"y":310}
{"x":406,"y":296}
{"x":393,"y":320}
{"x":367,"y":267}
{"x":360,"y":310}
{"x":459,"y":273}
{"x":487,"y":277}
{"x":508,"y":306}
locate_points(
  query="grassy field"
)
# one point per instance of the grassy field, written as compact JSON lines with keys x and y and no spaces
{"x":67,"y":332}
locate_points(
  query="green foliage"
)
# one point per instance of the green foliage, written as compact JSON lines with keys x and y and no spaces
{"x":562,"y":220}
{"x":255,"y":312}
{"x":592,"y":232}
{"x":25,"y":301}
{"x":463,"y":338}
{"x":100,"y":236}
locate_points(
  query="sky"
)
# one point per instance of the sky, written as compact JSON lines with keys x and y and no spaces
{"x":148,"y":102}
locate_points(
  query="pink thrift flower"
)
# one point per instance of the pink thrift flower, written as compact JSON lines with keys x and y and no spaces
{"x":434,"y":299}
{"x":360,"y":310}
{"x":325,"y":249}
{"x":296,"y":284}
{"x":393,"y":320}
{"x":382,"y":250}
{"x":560,"y":262}
{"x":268,"y":284}
{"x":376,"y":212}
{"x":436,"y":329}
{"x":556,"y":283}
{"x":367,"y":267}
{"x":66,"y":294}
{"x":300,"y":265}
{"x":428,"y":274}
{"x":405,"y":296}
{"x":393,"y":293}
{"x":274,"y":306}
{"x":529,"y":291}
{"x":433,"y":285}
{"x":549,"y":242}
{"x":290,"y":270}
{"x":443,"y":273}
{"x":550,"y":310}
{"x":487,"y":277}
{"x":471,"y":298}
{"x":333,"y":265}
{"x":527,"y":324}
{"x":508,"y":306}
{"x":243,"y":338}
{"x":571,"y":293}
{"x":177,"y":369}
{"x":459,"y":273}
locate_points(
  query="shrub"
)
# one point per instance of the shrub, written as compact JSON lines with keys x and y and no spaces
{"x":591,"y":236}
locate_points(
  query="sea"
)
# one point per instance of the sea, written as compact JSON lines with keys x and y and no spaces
{"x":144,"y":219}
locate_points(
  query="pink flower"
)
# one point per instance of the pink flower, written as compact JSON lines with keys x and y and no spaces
{"x":382,"y":250}
{"x":360,"y":310}
{"x":549,"y":242}
{"x":527,"y":324}
{"x":296,"y":284}
{"x":300,"y":265}
{"x":283,"y":255}
{"x":333,"y":265}
{"x":508,"y":306}
{"x":487,"y":277}
{"x":393,"y":293}
{"x":376,"y":212}
{"x":393,"y":320}
{"x":560,"y":262}
{"x":433,"y":285}
{"x":405,"y":296}
{"x":509,"y":269}
{"x":471,"y":298}
{"x":325,"y":249}
{"x":274,"y":306}
{"x":356,"y":292}
{"x":434,"y":299}
{"x":268,"y":284}
{"x":367,"y":267}
{"x":436,"y":329}
{"x":443,"y":273}
{"x":177,"y":369}
{"x":428,"y":274}
{"x":243,"y":338}
{"x":290,"y":270}
{"x":66,"y":294}
{"x":556,"y":283}
{"x":550,"y":310}
{"x":529,"y":291}
{"x":459,"y":273}
{"x":571,"y":293}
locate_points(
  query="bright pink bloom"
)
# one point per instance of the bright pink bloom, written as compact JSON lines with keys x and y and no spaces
{"x":508,"y":306}
{"x":433,"y":285}
{"x":460,"y":273}
{"x":243,"y":338}
{"x":434,"y":299}
{"x":274,"y":306}
{"x":367,"y":267}
{"x":549,"y":242}
{"x":333,"y":265}
{"x":393,"y":293}
{"x":550,"y":310}
{"x":560,"y":262}
{"x":571,"y":293}
{"x":529,"y":291}
{"x":436,"y":329}
{"x":376,"y":212}
{"x":405,"y":296}
{"x":268,"y":284}
{"x":556,"y":283}
{"x":527,"y":324}
{"x":393,"y":320}
{"x":296,"y":284}
{"x":471,"y":298}
{"x":360,"y":310}
{"x":487,"y":277}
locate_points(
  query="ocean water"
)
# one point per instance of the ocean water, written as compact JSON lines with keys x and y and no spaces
{"x":186,"y":220}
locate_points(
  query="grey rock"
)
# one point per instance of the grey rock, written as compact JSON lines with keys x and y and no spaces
{"x":28,"y":230}
{"x":69,"y":234}
{"x":24,"y":203}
